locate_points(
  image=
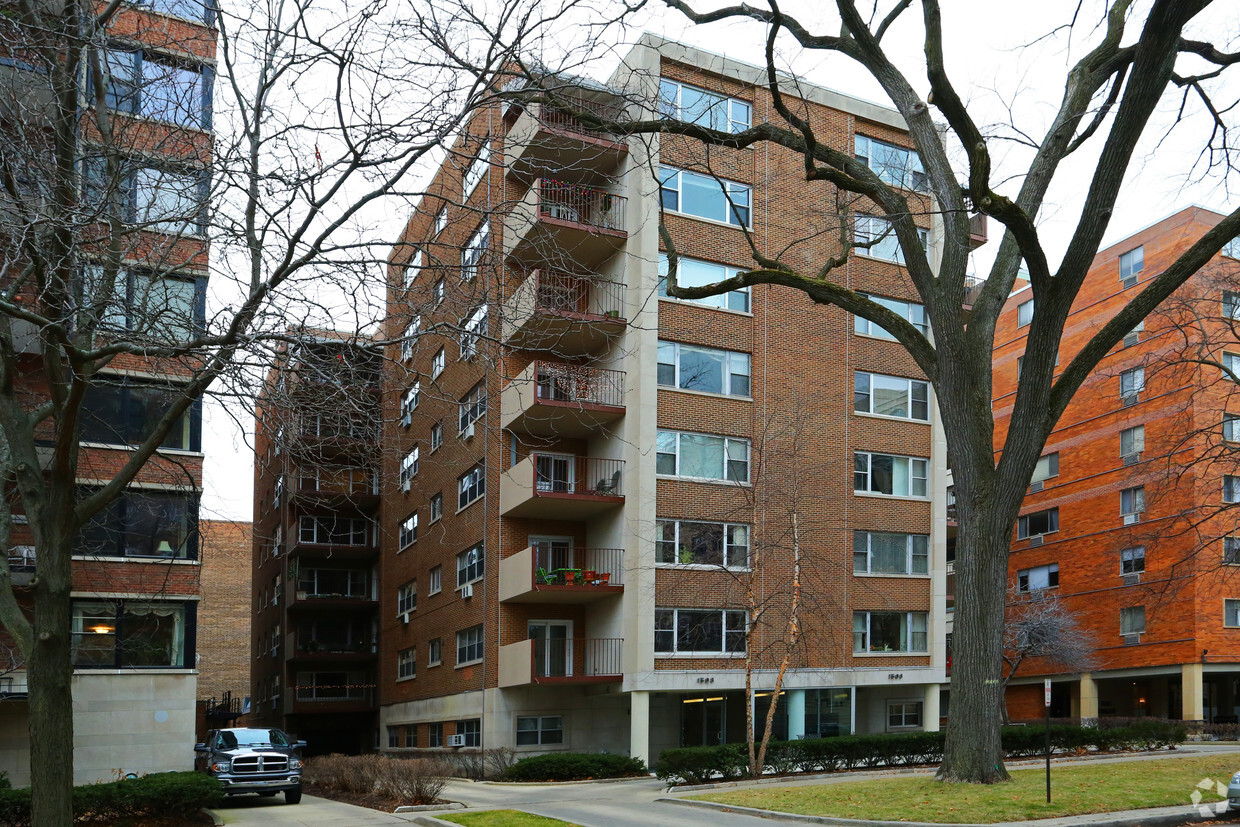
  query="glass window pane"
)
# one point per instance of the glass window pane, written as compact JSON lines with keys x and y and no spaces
{"x":171,"y":93}
{"x":888,"y":553}
{"x":701,"y":196}
{"x":890,"y":396}
{"x":701,"y":369}
{"x":699,"y":631}
{"x":701,"y":456}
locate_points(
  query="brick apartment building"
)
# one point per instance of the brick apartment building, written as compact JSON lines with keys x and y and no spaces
{"x":582,"y":477}
{"x":316,"y":545}
{"x":1126,"y":518}
{"x":224,"y":617}
{"x":135,"y":573}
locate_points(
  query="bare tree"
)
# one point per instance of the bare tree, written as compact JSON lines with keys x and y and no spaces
{"x":1040,"y":625}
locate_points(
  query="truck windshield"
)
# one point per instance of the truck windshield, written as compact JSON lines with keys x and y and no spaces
{"x":231,"y":739}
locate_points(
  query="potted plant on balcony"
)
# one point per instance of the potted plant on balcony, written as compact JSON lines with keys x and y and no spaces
{"x":590,"y":576}
{"x":604,"y":577}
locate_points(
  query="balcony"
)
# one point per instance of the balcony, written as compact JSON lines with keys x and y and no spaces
{"x":327,"y":652}
{"x":21,"y":565}
{"x":329,"y":699}
{"x":299,"y":596}
{"x":544,"y":137}
{"x":542,"y":575}
{"x":559,"y":220}
{"x":574,"y":660}
{"x":557,"y":400}
{"x":977,"y":231}
{"x":570,"y":315}
{"x":561,"y":486}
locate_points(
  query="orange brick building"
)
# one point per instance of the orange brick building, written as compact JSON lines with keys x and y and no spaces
{"x":1127,"y":516}
{"x":583,"y":477}
{"x":224,"y":622}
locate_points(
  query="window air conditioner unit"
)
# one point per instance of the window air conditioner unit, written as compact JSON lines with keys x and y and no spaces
{"x":467,"y":590}
{"x":1129,"y":400}
{"x":1131,"y":281}
{"x":1130,"y":519}
{"x":405,"y":485}
{"x":404,"y":618}
{"x":1132,"y":579}
{"x":1035,"y":540}
{"x":1132,"y":640}
{"x":1132,"y":339}
{"x":1131,"y":459}
{"x":456,"y":740}
{"x":468,"y":432}
{"x":1034,"y":487}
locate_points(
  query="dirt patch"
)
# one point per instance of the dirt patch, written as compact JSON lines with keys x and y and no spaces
{"x":374,"y":802}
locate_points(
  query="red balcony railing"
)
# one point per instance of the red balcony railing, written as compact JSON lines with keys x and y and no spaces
{"x":578,"y":566}
{"x":580,"y":204}
{"x":564,"y":474}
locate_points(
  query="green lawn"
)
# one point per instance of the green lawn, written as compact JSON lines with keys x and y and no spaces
{"x":1075,"y":789}
{"x":500,"y":818}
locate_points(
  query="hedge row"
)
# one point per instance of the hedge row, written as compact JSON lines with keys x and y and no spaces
{"x":573,"y":766}
{"x":696,"y":765}
{"x":168,"y":794}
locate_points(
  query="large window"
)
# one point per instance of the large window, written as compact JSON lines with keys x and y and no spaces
{"x":896,"y":165}
{"x":874,"y":393}
{"x":540,"y":729}
{"x":409,"y":403}
{"x":701,"y":456}
{"x":470,"y":564}
{"x":1231,"y":427}
{"x":471,"y":731}
{"x":903,"y":714}
{"x":714,"y":631}
{"x":1132,"y":560}
{"x":469,"y":645}
{"x":413,"y":267}
{"x":167,"y":199}
{"x":887,"y":474}
{"x":684,"y":542}
{"x":332,"y":583}
{"x":120,"y":411}
{"x":409,"y":468}
{"x":706,"y":369}
{"x":409,"y":338}
{"x":434,"y":651}
{"x":471,"y":486}
{"x":1024,"y":314}
{"x":409,"y":531}
{"x":1037,"y":578}
{"x":195,"y":10}
{"x":889,"y":632}
{"x":336,"y":531}
{"x":1131,"y":383}
{"x":144,"y":524}
{"x":1047,"y":467}
{"x":1231,"y":613}
{"x":1231,"y":299}
{"x":682,"y":102}
{"x":407,"y":597}
{"x":1231,"y":488}
{"x":1037,"y":523}
{"x":875,"y":237}
{"x":691,"y":272}
{"x":160,"y":87}
{"x":163,"y":308}
{"x":1131,"y":263}
{"x":915,"y":313}
{"x":477,"y":170}
{"x":473,"y":330}
{"x":1231,"y":551}
{"x":1132,"y":620}
{"x":133,"y":634}
{"x":472,"y":406}
{"x":882,"y":552}
{"x":438,"y":362}
{"x":1132,"y":500}
{"x":475,"y":249}
{"x":407,"y":663}
{"x":704,"y":196}
{"x":1132,"y":441}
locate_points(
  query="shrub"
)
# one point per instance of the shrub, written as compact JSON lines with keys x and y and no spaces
{"x":407,"y":780}
{"x":697,"y":765}
{"x":169,"y":794}
{"x":573,"y":766}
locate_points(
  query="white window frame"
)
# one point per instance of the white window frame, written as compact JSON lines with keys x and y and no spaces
{"x":1135,"y":439}
{"x":472,"y":482}
{"x":1046,"y":468}
{"x":672,"y":179}
{"x":471,"y":408}
{"x":1231,"y":613}
{"x":1232,"y":248}
{"x":910,"y":400}
{"x":1128,"y":616}
{"x":726,"y":633}
{"x":904,"y":708}
{"x":1022,"y":523}
{"x":912,"y":174}
{"x":409,"y":468}
{"x":477,"y":169}
{"x":907,"y":625}
{"x":408,"y":531}
{"x":540,"y":729}
{"x":912,"y":311}
{"x":914,"y":464}
{"x":436,"y":507}
{"x":1132,"y":262}
{"x":666,"y":438}
{"x":1132,"y":500}
{"x":434,"y":651}
{"x":470,"y":645}
{"x":409,"y":403}
{"x":407,"y":598}
{"x":409,"y":338}
{"x":436,"y":580}
{"x":724,"y":114}
{"x":470,"y":565}
{"x":436,"y":436}
{"x":412,"y":267}
{"x":1046,"y":577}
{"x":438,"y":362}
{"x":863,"y":554}
{"x":1231,"y":427}
{"x":735,"y":363}
{"x":474,"y":250}
{"x":1132,"y":560}
{"x":1024,"y":313}
{"x":441,"y":220}
{"x":693,"y":272}
{"x":1133,"y":380}
{"x":877,"y":231}
{"x":473,"y":330}
{"x":729,"y":547}
{"x":438,"y":291}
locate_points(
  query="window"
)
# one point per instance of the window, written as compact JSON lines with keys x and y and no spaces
{"x":469,"y":565}
{"x":436,"y":436}
{"x":472,"y":730}
{"x":887,"y":474}
{"x":409,"y":403}
{"x":691,"y":272}
{"x":889,"y":632}
{"x":704,"y":369}
{"x":1024,"y":314}
{"x":915,"y":313}
{"x":1131,"y":263}
{"x":1231,"y":550}
{"x":1132,"y":441}
{"x":195,"y":10}
{"x":1231,"y":301}
{"x":117,"y":410}
{"x":163,"y":88}
{"x":441,"y":220}
{"x":144,"y":524}
{"x":1133,"y":337}
{"x":681,"y":542}
{"x":409,"y":531}
{"x":1231,"y":613}
{"x":472,"y":407}
{"x":1231,"y":489}
{"x":903,"y":714}
{"x":410,"y":338}
{"x":874,"y":393}
{"x":541,"y":729}
{"x":412,"y":268}
{"x":1047,"y":467}
{"x":474,"y":329}
{"x":436,"y":584}
{"x":132,"y":634}
{"x":704,"y":196}
{"x":406,"y":663}
{"x":434,"y":735}
{"x":436,"y":506}
{"x":332,"y":583}
{"x":1132,"y":560}
{"x":1132,"y":620}
{"x":1131,"y":383}
{"x":701,"y":456}
{"x":337,"y":531}
{"x":437,"y":363}
{"x":469,"y":645}
{"x":1038,"y":578}
{"x":1231,"y":427}
{"x":162,"y":307}
{"x":1132,"y":500}
{"x":682,"y":102}
{"x":874,"y":236}
{"x":437,"y":292}
{"x":881,"y":552}
{"x":896,"y":165}
{"x":715,"y":631}
{"x":407,"y":597}
{"x":169,"y":199}
{"x":474,"y":250}
{"x":470,"y":487}
{"x":434,"y":650}
{"x":1037,"y":523}
{"x":393,"y":737}
{"x":1232,"y":248}
{"x":477,"y":170}
{"x":408,"y":468}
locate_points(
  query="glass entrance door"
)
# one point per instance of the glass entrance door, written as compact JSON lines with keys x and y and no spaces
{"x":703,"y":722}
{"x":554,"y":473}
{"x":553,"y":648}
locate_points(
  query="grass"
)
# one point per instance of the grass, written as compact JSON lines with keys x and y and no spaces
{"x":499,"y":818}
{"x":1075,"y":789}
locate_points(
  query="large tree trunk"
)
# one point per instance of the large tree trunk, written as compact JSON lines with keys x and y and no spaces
{"x":50,"y":673}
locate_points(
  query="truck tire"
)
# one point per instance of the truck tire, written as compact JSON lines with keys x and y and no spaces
{"x":292,"y":796}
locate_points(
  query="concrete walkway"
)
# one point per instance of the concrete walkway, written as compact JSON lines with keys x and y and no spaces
{"x":253,"y":811}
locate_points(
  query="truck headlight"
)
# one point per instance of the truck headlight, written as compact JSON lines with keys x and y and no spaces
{"x":221,"y":766}
{"x":294,"y":764}
{"x":1235,"y":779}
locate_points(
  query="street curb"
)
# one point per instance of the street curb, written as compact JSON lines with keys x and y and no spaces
{"x":219,"y":819}
{"x":647,"y":777}
{"x":1160,"y":817}
{"x":431,"y":821}
{"x":421,"y":808}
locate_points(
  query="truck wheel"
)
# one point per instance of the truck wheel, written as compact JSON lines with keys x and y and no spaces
{"x":292,"y":796}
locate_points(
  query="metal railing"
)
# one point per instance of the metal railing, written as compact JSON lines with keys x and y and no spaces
{"x":576,"y":657}
{"x":326,"y":646}
{"x":567,"y":115}
{"x":21,"y":557}
{"x":580,"y":204}
{"x":556,"y":566}
{"x":566,"y":474}
{"x":558,"y":382}
{"x":548,"y":291}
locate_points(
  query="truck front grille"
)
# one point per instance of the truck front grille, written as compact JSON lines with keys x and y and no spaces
{"x":259,"y":763}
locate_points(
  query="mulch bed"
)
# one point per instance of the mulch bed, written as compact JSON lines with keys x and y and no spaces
{"x":196,"y":820}
{"x":374,"y":802}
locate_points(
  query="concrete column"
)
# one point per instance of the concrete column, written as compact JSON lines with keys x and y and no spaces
{"x":639,"y":726}
{"x":1192,"y":688}
{"x":796,"y":714}
{"x":1089,"y":700}
{"x":930,"y":709}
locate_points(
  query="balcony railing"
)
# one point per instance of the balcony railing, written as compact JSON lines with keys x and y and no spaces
{"x":578,"y":566}
{"x":572,"y":660}
{"x":977,"y":230}
{"x":556,"y":382}
{"x":561,"y":486}
{"x":551,"y":292}
{"x":587,"y":476}
{"x":565,"y":201}
{"x":567,"y":117}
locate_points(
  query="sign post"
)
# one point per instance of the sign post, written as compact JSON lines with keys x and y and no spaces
{"x":1046,"y":688}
